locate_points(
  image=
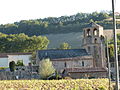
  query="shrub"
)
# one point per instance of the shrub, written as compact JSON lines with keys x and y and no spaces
{"x":2,"y":68}
{"x":55,"y":76}
{"x":67,"y":77}
{"x":46,"y":68}
{"x":20,"y":63}
{"x":12,"y":66}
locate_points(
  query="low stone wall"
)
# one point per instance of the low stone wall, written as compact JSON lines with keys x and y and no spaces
{"x":88,"y":75}
{"x":6,"y":75}
{"x":21,"y":72}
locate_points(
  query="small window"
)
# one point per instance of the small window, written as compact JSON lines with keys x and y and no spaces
{"x":83,"y":63}
{"x":65,"y":64}
{"x":95,"y":40}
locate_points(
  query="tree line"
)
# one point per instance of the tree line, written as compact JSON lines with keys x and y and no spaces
{"x":22,"y":43}
{"x":63,"y":24}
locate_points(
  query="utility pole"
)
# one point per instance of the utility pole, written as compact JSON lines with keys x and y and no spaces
{"x":115,"y":48}
{"x":108,"y":62}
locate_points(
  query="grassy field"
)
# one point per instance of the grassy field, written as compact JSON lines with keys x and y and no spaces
{"x":74,"y":39}
{"x":78,"y":84}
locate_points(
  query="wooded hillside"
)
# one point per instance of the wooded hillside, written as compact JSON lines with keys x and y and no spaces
{"x":63,"y":24}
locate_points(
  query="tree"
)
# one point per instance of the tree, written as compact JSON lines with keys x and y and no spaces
{"x":12,"y":66}
{"x":91,"y":20}
{"x":111,"y":50}
{"x":20,"y":63}
{"x":46,"y":68}
{"x":53,"y":25}
{"x":22,"y":43}
{"x":65,"y":46}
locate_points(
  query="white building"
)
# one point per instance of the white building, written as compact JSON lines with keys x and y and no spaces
{"x":6,"y":58}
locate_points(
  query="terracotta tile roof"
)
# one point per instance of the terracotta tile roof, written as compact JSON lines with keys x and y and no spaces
{"x":3,"y":56}
{"x":83,"y":70}
{"x":117,"y":13}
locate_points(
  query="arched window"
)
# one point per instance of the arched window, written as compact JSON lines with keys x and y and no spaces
{"x":88,"y":32}
{"x":95,"y":32}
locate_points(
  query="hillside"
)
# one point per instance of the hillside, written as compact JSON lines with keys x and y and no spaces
{"x":74,"y":39}
{"x":60,"y":29}
{"x":59,"y":25}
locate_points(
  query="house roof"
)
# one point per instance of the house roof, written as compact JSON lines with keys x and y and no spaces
{"x":5,"y":54}
{"x":59,"y":53}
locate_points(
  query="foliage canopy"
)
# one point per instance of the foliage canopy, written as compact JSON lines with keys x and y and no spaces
{"x":22,"y":43}
{"x":63,"y":24}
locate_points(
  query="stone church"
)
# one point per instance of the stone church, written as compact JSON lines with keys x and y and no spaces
{"x":88,"y":62}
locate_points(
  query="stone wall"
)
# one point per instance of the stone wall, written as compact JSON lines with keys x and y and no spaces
{"x":88,"y":75}
{"x":78,"y":62}
{"x":21,"y":72}
{"x":6,"y":75}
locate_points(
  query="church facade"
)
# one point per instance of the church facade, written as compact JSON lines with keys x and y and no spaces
{"x":88,"y":62}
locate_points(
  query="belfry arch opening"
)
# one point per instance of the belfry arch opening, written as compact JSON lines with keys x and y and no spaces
{"x":95,"y":32}
{"x":88,"y":32}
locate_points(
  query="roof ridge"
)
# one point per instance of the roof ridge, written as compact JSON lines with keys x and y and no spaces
{"x":61,"y":49}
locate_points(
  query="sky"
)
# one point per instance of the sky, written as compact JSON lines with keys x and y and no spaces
{"x":16,"y":10}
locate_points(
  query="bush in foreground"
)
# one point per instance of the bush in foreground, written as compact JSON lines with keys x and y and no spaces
{"x":12,"y":66}
{"x":78,"y":84}
{"x":46,"y":68}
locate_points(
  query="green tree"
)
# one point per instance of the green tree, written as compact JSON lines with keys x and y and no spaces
{"x":65,"y":46}
{"x":53,"y":25}
{"x":19,"y":63}
{"x":22,"y":43}
{"x":46,"y":68}
{"x":91,"y":20}
{"x":12,"y":66}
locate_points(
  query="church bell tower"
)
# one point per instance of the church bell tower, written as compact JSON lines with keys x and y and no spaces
{"x":93,"y":42}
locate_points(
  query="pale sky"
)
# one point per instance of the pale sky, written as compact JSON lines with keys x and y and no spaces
{"x":16,"y":10}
